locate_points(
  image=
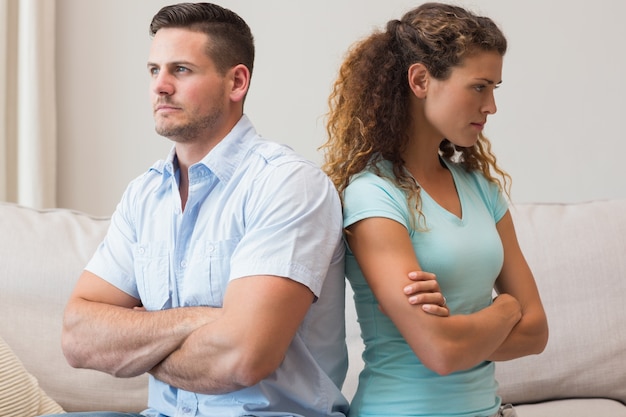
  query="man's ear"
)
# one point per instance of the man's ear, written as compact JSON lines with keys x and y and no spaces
{"x":418,"y":77}
{"x":240,"y":77}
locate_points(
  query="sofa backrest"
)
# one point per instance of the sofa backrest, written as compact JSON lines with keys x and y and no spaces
{"x":43,"y":252}
{"x":577,"y":253}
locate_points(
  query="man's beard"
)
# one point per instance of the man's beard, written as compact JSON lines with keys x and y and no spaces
{"x":192,"y":130}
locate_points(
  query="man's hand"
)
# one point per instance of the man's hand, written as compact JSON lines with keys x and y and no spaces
{"x":425,"y":291}
{"x":245,"y":343}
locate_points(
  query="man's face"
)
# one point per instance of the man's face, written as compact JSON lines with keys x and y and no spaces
{"x":189,"y":96}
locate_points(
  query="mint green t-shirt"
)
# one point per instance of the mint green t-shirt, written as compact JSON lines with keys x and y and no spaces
{"x":466,"y":254}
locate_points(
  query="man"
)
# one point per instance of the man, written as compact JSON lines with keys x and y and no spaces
{"x":222,"y":272}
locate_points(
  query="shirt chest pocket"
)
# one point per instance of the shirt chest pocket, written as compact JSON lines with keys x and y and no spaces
{"x":152,"y":270}
{"x":207,"y":273}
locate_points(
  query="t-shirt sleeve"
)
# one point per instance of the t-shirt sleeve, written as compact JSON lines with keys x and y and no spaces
{"x":369,"y":195}
{"x":501,"y":205}
{"x":492,"y":195}
{"x":496,"y":200}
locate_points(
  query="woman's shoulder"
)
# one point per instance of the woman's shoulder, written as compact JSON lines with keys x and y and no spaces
{"x":476,"y":183}
{"x":473,"y":176}
{"x":374,"y":176}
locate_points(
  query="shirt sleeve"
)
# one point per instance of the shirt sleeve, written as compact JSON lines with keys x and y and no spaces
{"x":494,"y":197}
{"x":489,"y":192}
{"x":293,"y":226}
{"x":369,"y":195}
{"x":113,"y":259}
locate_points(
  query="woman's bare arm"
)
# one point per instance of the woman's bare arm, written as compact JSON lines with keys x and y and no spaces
{"x":383,"y":249}
{"x":530,"y":335}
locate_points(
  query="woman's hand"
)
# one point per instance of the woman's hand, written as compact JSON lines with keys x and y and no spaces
{"x":425,"y":291}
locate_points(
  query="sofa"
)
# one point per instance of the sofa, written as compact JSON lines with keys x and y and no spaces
{"x":577,"y":252}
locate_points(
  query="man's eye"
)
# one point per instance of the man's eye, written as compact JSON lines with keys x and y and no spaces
{"x":181,"y":69}
{"x":479,"y":88}
{"x":153,"y":70}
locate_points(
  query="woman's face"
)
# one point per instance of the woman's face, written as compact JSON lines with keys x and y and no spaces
{"x":457,"y":107}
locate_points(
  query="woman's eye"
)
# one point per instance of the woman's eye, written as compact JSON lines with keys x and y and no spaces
{"x":479,"y":88}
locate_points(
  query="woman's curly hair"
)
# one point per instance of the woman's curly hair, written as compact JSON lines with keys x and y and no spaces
{"x":369,"y":115}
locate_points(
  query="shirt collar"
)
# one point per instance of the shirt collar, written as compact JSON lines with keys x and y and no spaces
{"x":227,"y":155}
{"x":223,"y":159}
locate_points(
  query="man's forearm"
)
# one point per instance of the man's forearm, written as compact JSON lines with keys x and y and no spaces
{"x":211,"y":360}
{"x":210,"y":377}
{"x":125,"y":342}
{"x":246,"y":343}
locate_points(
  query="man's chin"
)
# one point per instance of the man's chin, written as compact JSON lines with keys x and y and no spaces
{"x":175,"y":134}
{"x":167,"y":131}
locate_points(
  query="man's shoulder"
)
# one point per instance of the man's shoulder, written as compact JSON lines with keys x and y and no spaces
{"x":275,"y":153}
{"x":276,"y":170}
{"x":269,"y":157}
{"x":146,"y":183}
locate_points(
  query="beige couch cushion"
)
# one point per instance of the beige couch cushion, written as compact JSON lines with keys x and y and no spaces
{"x":578,"y":255}
{"x":20,"y":394}
{"x":589,"y":407}
{"x":43,"y":253}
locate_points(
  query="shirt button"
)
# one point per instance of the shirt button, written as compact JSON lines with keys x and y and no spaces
{"x":142,"y":250}
{"x":211,"y":248}
{"x":183,"y":264}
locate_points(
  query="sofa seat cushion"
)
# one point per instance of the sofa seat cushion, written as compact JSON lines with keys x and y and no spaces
{"x":20,"y":394}
{"x":573,"y":408}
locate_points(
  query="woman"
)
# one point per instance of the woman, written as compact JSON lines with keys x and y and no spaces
{"x":422,"y":191}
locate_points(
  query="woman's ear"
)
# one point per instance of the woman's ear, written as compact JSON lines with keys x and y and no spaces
{"x":240,"y":76}
{"x":418,"y":79}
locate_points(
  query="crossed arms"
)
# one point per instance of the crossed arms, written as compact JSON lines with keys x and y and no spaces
{"x":216,"y":350}
{"x":199,"y":349}
{"x":513,"y":326}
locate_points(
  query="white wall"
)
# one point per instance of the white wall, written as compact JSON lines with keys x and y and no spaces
{"x":558,"y":131}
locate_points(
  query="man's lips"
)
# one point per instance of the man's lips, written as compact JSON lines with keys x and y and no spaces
{"x":165,"y":107}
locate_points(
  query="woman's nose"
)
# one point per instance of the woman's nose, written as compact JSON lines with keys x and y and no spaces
{"x":489,"y":106}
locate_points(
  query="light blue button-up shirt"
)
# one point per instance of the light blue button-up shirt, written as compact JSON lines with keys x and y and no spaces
{"x":254,"y":208}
